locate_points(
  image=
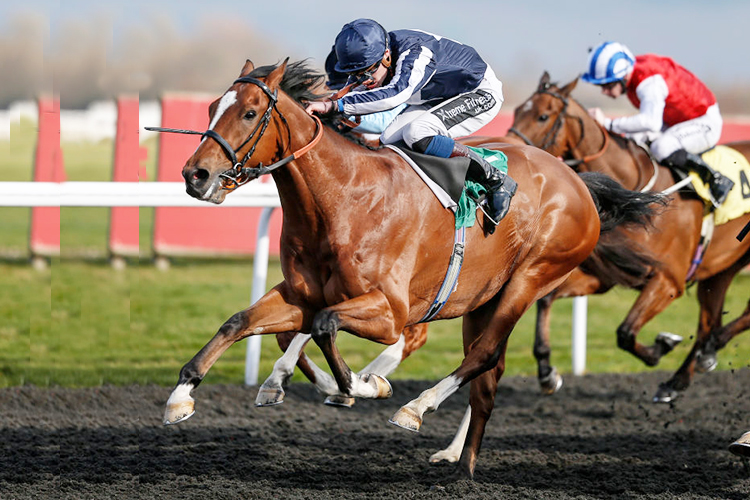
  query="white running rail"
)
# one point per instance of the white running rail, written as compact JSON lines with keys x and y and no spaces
{"x":172,"y":194}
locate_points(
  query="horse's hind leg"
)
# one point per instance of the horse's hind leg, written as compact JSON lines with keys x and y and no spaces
{"x":711,"y":295}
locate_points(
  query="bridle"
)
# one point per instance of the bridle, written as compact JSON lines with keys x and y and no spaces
{"x":239,"y":174}
{"x":550,"y":137}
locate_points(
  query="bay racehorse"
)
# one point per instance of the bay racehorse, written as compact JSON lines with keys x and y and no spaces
{"x":552,"y":120}
{"x":365,"y":244}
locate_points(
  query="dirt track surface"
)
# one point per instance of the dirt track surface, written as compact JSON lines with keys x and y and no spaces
{"x":600,"y":437}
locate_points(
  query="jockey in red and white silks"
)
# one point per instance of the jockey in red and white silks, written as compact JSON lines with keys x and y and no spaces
{"x":678,"y":116}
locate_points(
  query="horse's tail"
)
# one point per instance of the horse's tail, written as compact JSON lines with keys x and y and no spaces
{"x":617,"y":259}
{"x":618,"y":206}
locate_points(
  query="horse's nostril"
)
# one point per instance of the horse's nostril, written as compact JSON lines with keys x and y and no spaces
{"x":195,"y":174}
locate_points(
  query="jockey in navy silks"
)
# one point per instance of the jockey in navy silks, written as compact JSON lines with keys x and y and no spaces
{"x":678,"y":115}
{"x":448,"y":90}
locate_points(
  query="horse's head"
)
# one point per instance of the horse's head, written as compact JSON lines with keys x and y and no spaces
{"x":544,"y":119}
{"x":248,"y":130}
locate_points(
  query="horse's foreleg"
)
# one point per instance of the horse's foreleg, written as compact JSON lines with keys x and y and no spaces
{"x":412,"y":338}
{"x":271,"y":314}
{"x":658,"y":293}
{"x":368,"y":316}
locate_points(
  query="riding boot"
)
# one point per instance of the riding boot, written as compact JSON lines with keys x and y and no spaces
{"x":719,"y":185}
{"x":500,"y":186}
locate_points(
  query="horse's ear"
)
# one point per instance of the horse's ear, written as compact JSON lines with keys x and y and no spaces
{"x":274,"y":78}
{"x":247,"y":68}
{"x":566,"y":90}
{"x":212,"y":108}
{"x":544,"y":82}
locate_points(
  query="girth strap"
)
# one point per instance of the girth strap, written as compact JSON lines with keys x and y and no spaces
{"x":451,"y":276}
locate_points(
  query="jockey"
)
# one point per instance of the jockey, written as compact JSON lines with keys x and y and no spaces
{"x":678,"y":115}
{"x":448,"y":90}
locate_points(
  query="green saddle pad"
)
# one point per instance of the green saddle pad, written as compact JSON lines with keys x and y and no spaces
{"x":466,"y":212}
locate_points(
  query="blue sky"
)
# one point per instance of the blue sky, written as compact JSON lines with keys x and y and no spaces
{"x":520,"y":39}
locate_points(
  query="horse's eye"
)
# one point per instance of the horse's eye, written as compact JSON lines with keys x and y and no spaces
{"x":250,"y":115}
{"x":543,"y":118}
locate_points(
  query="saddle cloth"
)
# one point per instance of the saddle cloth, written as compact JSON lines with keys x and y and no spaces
{"x":446,"y":178}
{"x":734,"y":165}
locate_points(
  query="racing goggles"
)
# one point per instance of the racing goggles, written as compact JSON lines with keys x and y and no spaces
{"x":365,"y":75}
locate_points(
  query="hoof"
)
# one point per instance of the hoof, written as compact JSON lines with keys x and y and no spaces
{"x":406,"y":418}
{"x":741,"y":447}
{"x":383,"y":389}
{"x":665,"y":394}
{"x":706,"y":362}
{"x":340,"y":400}
{"x":444,"y":456}
{"x":551,"y":383}
{"x":269,"y":397}
{"x":179,"y":412}
{"x":668,"y":341}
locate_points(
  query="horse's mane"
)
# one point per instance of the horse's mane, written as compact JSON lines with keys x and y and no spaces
{"x":300,"y":82}
{"x":304,"y":84}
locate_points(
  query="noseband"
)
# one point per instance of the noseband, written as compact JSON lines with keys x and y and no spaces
{"x":551,"y":137}
{"x":239,"y":174}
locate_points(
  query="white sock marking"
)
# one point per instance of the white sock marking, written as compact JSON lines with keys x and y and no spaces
{"x":388,"y":360}
{"x":284,"y":366}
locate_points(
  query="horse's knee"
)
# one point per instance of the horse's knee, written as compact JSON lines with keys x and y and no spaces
{"x":324,"y":326}
{"x":625,"y":338}
{"x":234,"y":325}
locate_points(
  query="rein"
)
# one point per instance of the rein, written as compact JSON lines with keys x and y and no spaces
{"x":239,"y":174}
{"x":551,"y":137}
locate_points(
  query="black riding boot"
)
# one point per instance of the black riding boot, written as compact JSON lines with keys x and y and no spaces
{"x":500,"y":187}
{"x":719,"y":185}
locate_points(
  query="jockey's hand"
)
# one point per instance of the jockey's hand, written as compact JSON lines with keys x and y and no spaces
{"x":320,"y":107}
{"x":598,"y":115}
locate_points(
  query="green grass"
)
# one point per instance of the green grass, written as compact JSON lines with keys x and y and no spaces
{"x":81,"y":323}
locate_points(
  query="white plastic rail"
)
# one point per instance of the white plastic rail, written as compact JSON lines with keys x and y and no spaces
{"x":172,"y":194}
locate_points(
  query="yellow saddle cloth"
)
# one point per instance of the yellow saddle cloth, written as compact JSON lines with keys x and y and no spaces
{"x":734,"y":165}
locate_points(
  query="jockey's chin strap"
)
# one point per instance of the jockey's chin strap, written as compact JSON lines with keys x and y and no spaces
{"x":551,"y":137}
{"x":239,"y":174}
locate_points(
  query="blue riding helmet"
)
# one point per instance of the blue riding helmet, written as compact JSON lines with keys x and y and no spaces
{"x":359,"y":45}
{"x":336,"y":79}
{"x":609,"y":62}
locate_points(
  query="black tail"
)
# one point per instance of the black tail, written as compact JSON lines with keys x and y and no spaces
{"x":618,"y":206}
{"x":617,"y":259}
